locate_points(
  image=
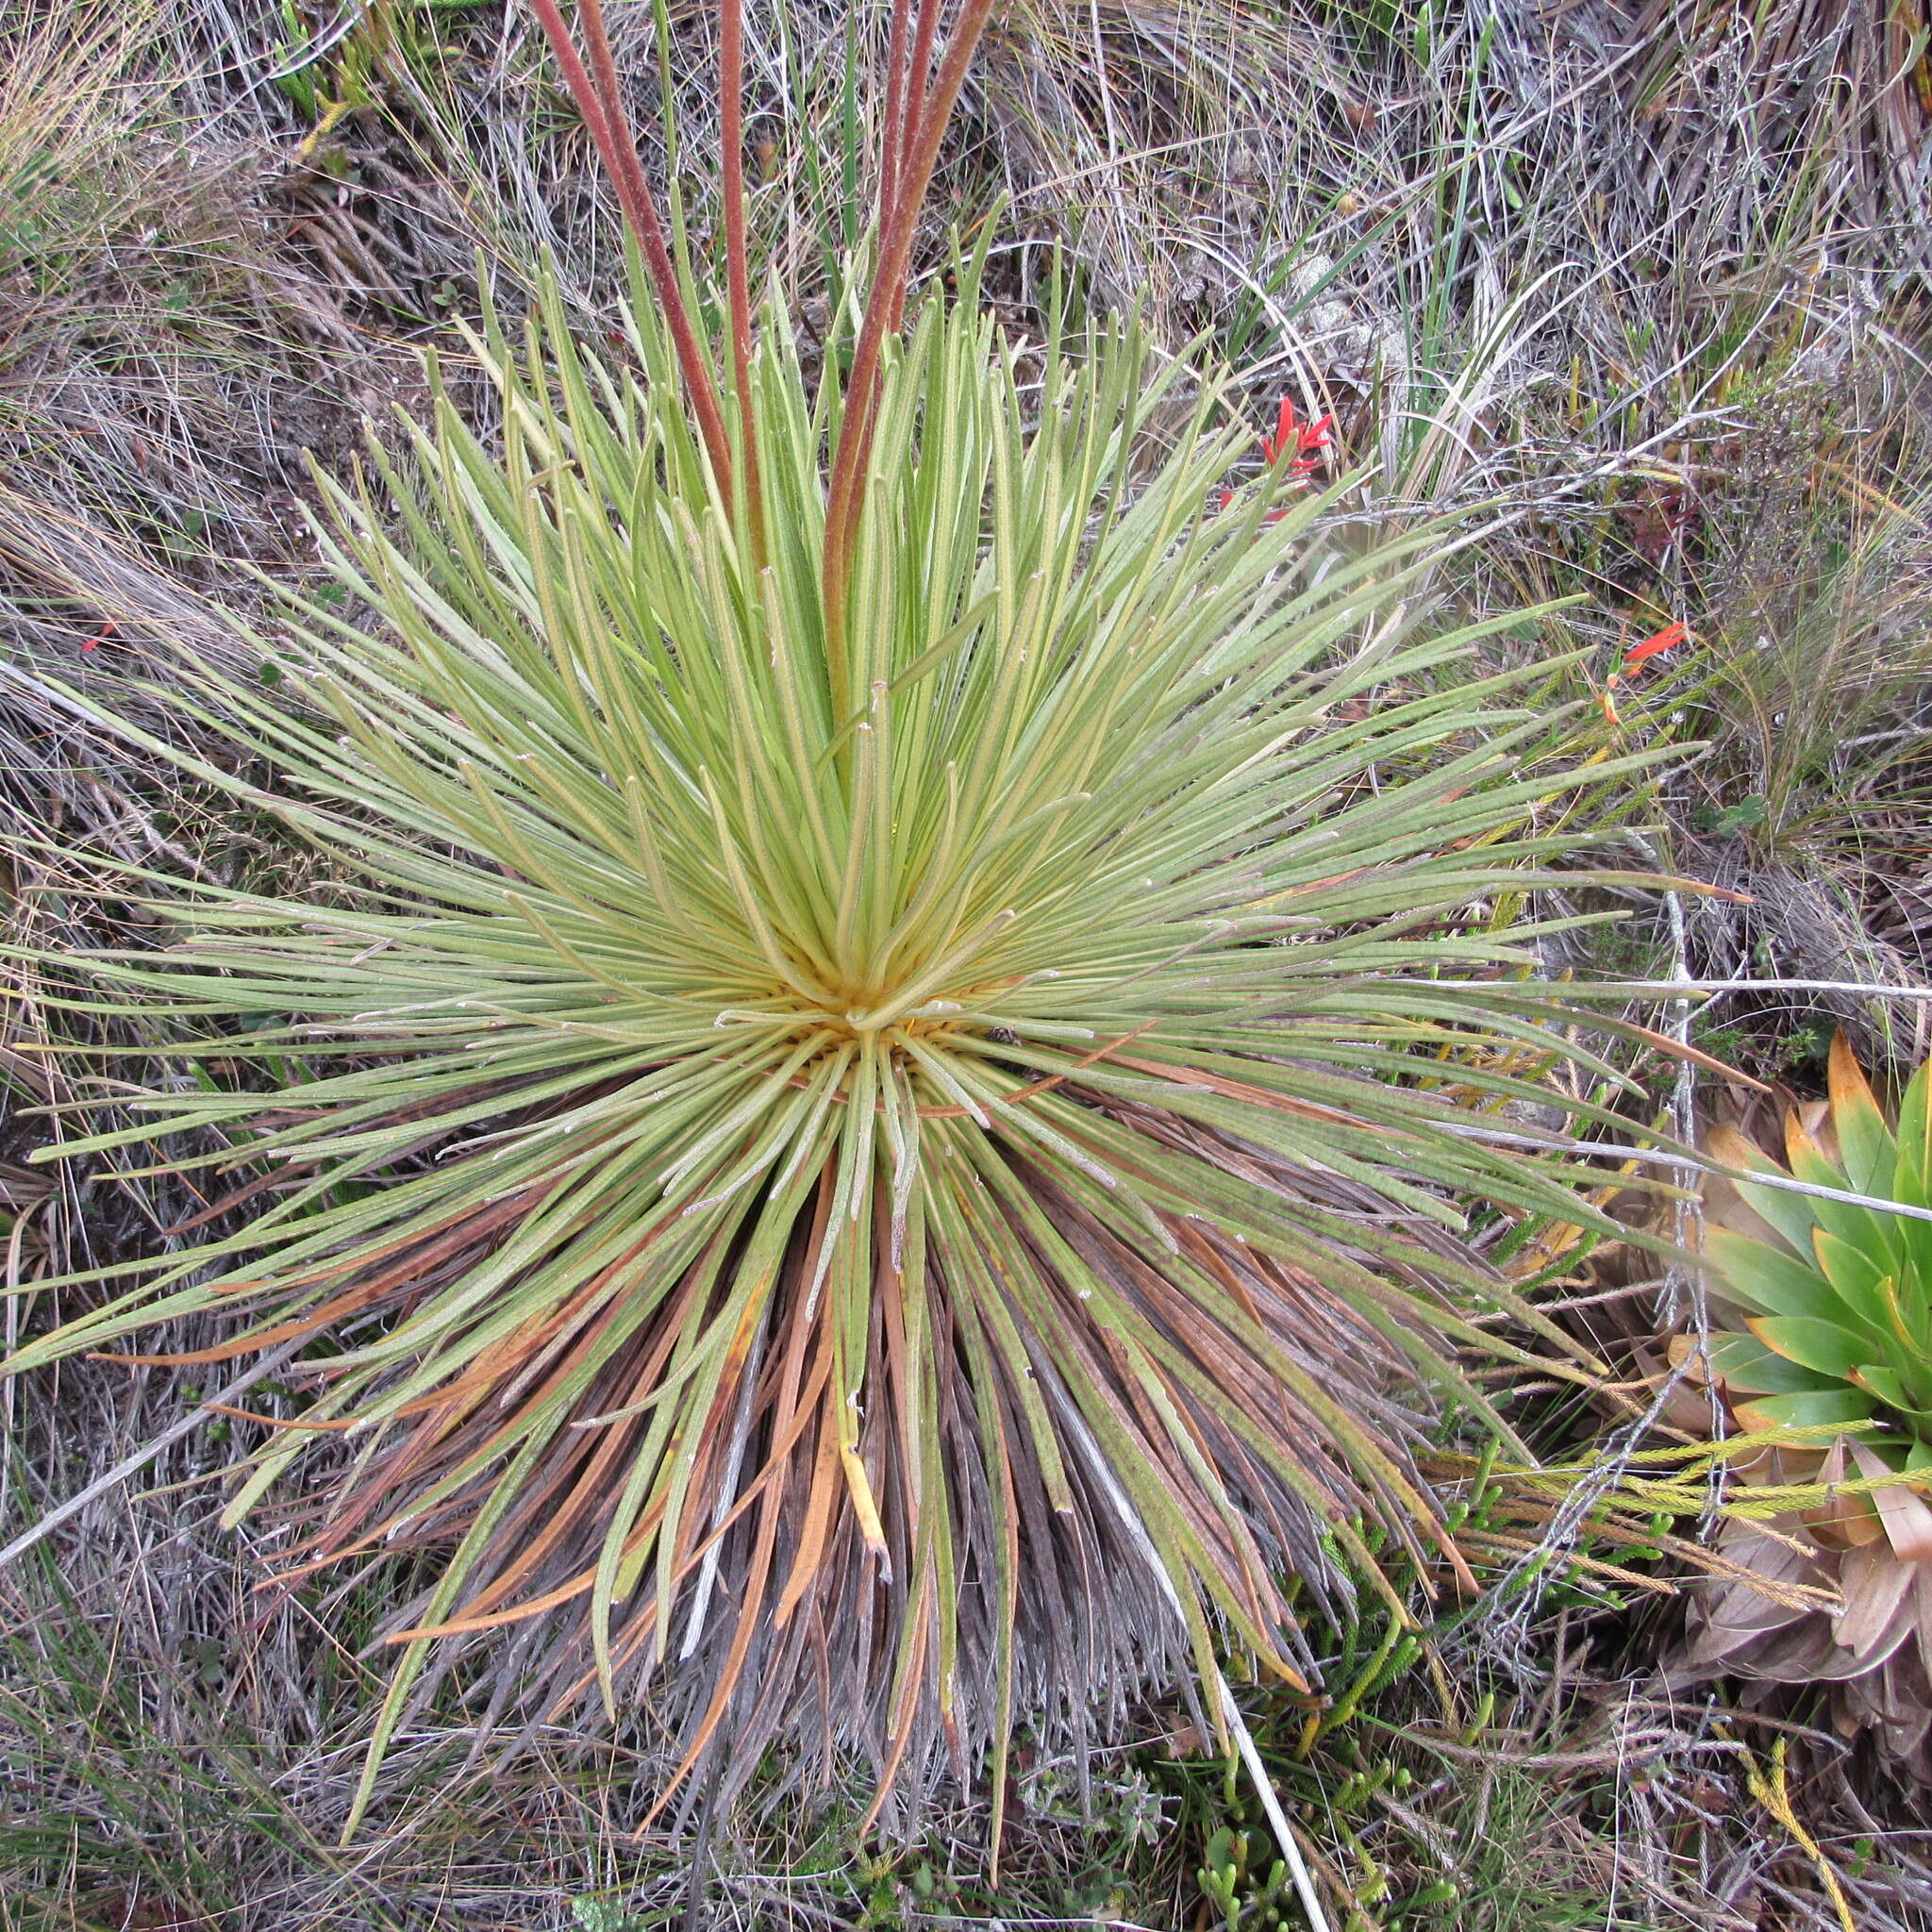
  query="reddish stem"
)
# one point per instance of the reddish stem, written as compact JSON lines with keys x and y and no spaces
{"x":601,"y":103}
{"x":737,"y":252}
{"x":918,"y":72}
{"x":889,"y":157}
{"x":916,"y":78}
{"x":882,"y":307}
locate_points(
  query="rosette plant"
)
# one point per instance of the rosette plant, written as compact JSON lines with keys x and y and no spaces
{"x":872,"y":1154}
{"x":1833,"y":1298}
{"x":1822,"y":1354}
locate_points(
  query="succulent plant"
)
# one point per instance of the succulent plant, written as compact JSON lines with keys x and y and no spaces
{"x":1836,"y":1297}
{"x":1827,"y":1307}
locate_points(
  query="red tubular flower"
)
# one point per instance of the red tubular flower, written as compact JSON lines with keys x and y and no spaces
{"x":1662,"y":641}
{"x":1303,"y":445}
{"x":1306,"y":441}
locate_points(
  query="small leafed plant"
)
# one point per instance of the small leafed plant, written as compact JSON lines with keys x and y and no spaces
{"x":868,"y":1153}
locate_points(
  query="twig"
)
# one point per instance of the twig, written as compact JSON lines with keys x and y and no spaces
{"x":132,"y":1465}
{"x":1658,"y":1157}
{"x":1230,"y":1711}
{"x":1264,"y":1790}
{"x":1621,"y":988}
{"x":1643,"y":1749}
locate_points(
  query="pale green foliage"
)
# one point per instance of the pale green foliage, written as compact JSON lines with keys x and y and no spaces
{"x":908,"y":1188}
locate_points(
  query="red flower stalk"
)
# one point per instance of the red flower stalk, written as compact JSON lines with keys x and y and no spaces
{"x":925,"y":108}
{"x":738,"y":252}
{"x":599,"y":100}
{"x":922,"y":89}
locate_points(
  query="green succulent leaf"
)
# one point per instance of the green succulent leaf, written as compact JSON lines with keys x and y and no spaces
{"x":1788,"y":1213}
{"x":1869,"y":1230}
{"x":1747,"y":1366}
{"x":1912,"y":1138}
{"x":1911,"y":1183}
{"x":1826,"y":1348}
{"x":1770,"y":1280}
{"x":1868,"y":1286}
{"x":1865,"y":1143}
{"x":1890,"y":1387}
{"x":1811,"y":1408}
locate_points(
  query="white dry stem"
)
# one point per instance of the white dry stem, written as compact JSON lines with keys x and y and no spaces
{"x":1230,"y":1711}
{"x":1657,"y":1156}
{"x":132,"y":1465}
{"x":1688,"y":985}
{"x":1679,"y":1284}
{"x":741,"y":1435}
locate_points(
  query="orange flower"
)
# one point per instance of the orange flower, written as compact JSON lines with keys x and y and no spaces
{"x":1658,"y":642}
{"x":1661,"y":641}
